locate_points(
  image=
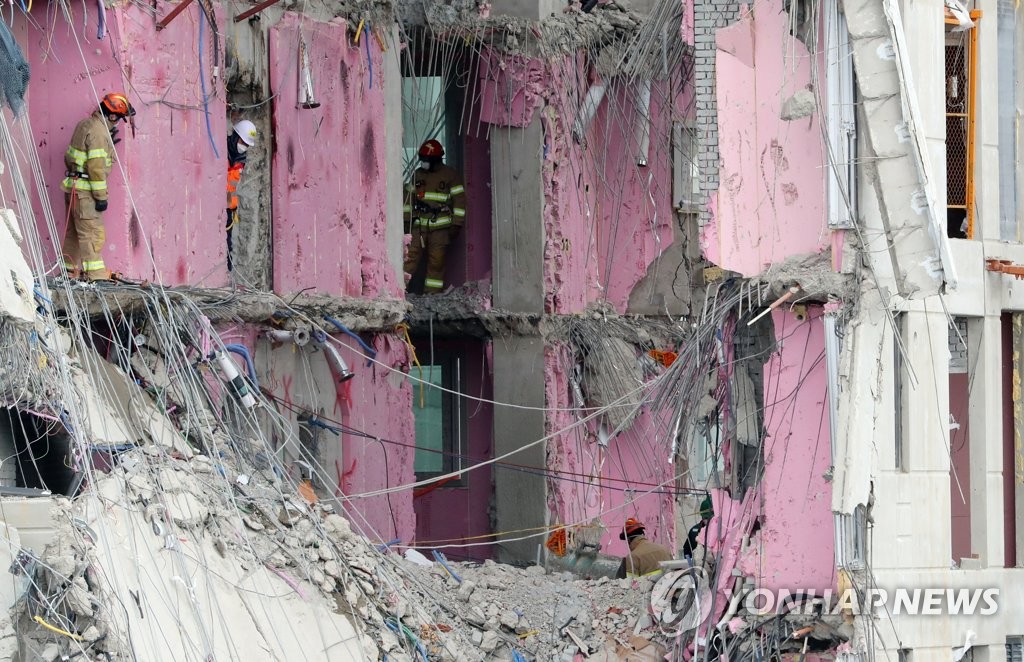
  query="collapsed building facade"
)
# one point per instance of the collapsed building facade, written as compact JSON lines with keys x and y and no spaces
{"x":705,"y":257}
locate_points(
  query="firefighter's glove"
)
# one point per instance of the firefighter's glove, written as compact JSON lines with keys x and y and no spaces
{"x":453,"y":232}
{"x":101,"y":205}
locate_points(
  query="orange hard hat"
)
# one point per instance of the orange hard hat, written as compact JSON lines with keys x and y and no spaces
{"x":431,"y":149}
{"x":631,"y":526}
{"x":116,"y":103}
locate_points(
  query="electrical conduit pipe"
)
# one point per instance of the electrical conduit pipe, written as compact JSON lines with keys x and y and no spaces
{"x":234,"y":379}
{"x":243,"y":351}
{"x":341,"y":327}
{"x":341,"y":370}
{"x":299,"y":336}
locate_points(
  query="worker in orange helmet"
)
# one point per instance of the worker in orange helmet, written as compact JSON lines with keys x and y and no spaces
{"x":644,"y":557}
{"x":87,"y":162}
{"x":435,"y":211}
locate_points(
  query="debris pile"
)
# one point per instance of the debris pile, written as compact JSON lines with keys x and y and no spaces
{"x":525,"y":612}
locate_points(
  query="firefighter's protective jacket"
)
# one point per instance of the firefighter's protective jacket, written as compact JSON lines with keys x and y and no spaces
{"x":234,"y":176}
{"x":644,"y":558}
{"x":88,"y":158}
{"x":438,"y":200}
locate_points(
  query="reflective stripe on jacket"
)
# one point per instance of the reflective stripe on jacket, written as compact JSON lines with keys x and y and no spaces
{"x":89,"y":157}
{"x":440,"y":196}
{"x":644,"y":558}
{"x":234,"y":176}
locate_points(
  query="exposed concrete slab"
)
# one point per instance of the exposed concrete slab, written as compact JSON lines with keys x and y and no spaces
{"x":33,"y":519}
{"x":520,"y":498}
{"x":903,"y":175}
{"x":519,"y":237}
{"x":221,"y":305}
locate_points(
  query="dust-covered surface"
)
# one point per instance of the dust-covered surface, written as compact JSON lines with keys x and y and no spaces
{"x":540,"y":616}
{"x":233,"y":305}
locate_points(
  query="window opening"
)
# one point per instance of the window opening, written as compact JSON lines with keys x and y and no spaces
{"x":439,"y":417}
{"x":961,"y":98}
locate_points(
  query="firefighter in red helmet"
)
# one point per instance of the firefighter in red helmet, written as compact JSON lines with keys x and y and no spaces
{"x":87,"y":163}
{"x":644,"y":557}
{"x":435,"y":211}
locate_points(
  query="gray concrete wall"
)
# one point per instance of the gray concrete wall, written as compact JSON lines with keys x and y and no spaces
{"x":518,"y":233}
{"x":393,"y":131}
{"x":533,"y":9}
{"x":520,"y":498}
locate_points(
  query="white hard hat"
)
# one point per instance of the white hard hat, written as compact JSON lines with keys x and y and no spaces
{"x":246,"y":130}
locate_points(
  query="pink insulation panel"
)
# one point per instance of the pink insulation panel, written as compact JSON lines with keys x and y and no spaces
{"x":771,"y":197}
{"x":169,"y":168}
{"x":329,"y":179}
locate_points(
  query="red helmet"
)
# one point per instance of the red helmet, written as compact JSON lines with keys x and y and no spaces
{"x":116,"y":103}
{"x":431,"y":149}
{"x":631,"y":526}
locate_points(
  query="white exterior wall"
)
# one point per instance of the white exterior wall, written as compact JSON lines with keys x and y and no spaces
{"x":910,"y":542}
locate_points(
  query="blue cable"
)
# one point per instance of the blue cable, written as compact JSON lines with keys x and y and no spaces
{"x":381,"y":548}
{"x":317,"y":423}
{"x":243,"y":351}
{"x":341,"y":327}
{"x":202,"y":81}
{"x":369,"y":60}
{"x":439,"y":557}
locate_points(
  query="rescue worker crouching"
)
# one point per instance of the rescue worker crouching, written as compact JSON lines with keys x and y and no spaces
{"x":435,"y":211}
{"x":644,"y":557}
{"x":243,"y":136}
{"x":87,"y":161}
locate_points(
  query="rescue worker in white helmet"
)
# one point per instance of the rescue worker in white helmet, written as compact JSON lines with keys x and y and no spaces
{"x":243,"y":136}
{"x":87,"y":163}
{"x":435,"y":211}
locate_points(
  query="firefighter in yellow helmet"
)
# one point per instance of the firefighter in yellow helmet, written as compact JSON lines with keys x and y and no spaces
{"x":87,"y":162}
{"x":435,"y":211}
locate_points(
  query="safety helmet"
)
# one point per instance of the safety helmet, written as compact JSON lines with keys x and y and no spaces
{"x":431,"y":149}
{"x":246,"y":130}
{"x":116,"y":103}
{"x":631,"y":526}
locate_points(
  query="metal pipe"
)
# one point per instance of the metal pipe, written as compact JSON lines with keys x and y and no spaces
{"x":341,"y":370}
{"x":299,"y":336}
{"x":642,"y":127}
{"x":174,"y":12}
{"x":234,"y":379}
{"x":587,"y":110}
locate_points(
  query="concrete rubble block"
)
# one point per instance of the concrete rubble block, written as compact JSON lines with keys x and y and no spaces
{"x":187,"y":510}
{"x":50,"y":653}
{"x":334,"y":569}
{"x":802,"y":104}
{"x":466,"y":590}
{"x":78,"y":598}
{"x":92,"y":634}
{"x":489,"y":641}
{"x":16,"y":283}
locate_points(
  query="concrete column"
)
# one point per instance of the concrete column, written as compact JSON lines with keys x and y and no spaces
{"x":518,"y":231}
{"x":520,"y":498}
{"x":984,"y":337}
{"x":393,"y":162}
{"x":927,"y":341}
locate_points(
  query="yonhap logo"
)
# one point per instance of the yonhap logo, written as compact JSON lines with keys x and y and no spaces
{"x":679,"y":601}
